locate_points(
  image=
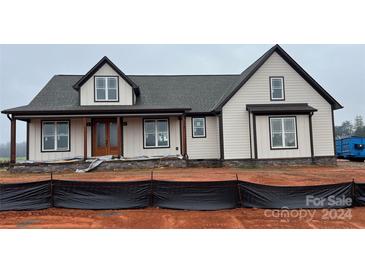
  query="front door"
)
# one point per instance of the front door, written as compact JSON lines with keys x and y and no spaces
{"x":105,"y":137}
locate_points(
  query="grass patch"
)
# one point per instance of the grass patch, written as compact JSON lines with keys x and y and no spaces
{"x":7,"y":159}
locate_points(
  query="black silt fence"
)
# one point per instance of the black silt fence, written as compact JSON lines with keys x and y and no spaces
{"x":176,"y":195}
{"x":359,"y":193}
{"x":196,"y":195}
{"x":101,"y":195}
{"x":25,"y":196}
{"x":293,"y":197}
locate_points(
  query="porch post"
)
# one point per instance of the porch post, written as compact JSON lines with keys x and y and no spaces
{"x":119,"y":130}
{"x":311,"y":136}
{"x":183,"y":135}
{"x":85,"y":137}
{"x":12,"y":139}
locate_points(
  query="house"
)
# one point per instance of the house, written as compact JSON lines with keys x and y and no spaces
{"x":272,"y":112}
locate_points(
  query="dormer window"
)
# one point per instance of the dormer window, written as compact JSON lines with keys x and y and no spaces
{"x":277,"y":89}
{"x":106,"y":89}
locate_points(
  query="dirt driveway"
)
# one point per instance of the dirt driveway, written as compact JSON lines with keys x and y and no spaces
{"x":163,"y":218}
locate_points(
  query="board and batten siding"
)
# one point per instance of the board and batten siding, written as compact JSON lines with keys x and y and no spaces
{"x":133,"y":139}
{"x":126,"y":95}
{"x":257,"y":91}
{"x":76,"y":142}
{"x":264,"y":150}
{"x":203,"y":148}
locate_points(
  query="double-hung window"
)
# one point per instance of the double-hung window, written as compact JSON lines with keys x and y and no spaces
{"x":283,"y":132}
{"x":156,"y":133}
{"x":55,"y":136}
{"x":277,"y":88}
{"x":106,"y":88}
{"x":198,"y":127}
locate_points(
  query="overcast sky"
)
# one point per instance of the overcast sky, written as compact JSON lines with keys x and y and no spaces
{"x":25,"y":69}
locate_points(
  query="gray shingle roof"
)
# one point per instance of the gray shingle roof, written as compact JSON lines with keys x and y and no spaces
{"x":196,"y":92}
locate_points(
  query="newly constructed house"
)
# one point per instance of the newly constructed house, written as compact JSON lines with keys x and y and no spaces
{"x":273,"y":110}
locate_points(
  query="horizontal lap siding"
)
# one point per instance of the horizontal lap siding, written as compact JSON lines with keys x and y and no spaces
{"x":203,"y":148}
{"x":35,"y":139}
{"x":133,"y":139}
{"x":257,"y":91}
{"x":263,"y":139}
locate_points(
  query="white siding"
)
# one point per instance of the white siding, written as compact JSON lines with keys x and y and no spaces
{"x":87,"y":89}
{"x":203,"y":148}
{"x":35,"y":139}
{"x":263,"y":139}
{"x":133,"y":139}
{"x":256,"y":91}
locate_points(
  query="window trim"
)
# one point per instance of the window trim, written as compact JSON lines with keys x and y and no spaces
{"x":271,"y":88}
{"x":106,"y":88}
{"x":69,"y":136}
{"x":192,"y":126}
{"x":296,"y":133}
{"x":168,"y":133}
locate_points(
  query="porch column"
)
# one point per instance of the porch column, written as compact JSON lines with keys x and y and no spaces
{"x":183,"y":136}
{"x":311,"y":135}
{"x":12,"y":139}
{"x":119,"y":130}
{"x":85,"y":137}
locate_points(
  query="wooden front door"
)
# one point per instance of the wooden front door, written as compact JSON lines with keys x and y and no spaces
{"x":105,"y":137}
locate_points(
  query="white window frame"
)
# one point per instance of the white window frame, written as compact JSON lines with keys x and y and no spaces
{"x":106,"y":89}
{"x":193,"y":127}
{"x":56,"y":149}
{"x":284,"y":146}
{"x":272,"y":88}
{"x":156,"y":133}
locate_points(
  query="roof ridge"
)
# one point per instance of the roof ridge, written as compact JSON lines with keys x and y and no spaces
{"x":161,"y":75}
{"x":178,"y":75}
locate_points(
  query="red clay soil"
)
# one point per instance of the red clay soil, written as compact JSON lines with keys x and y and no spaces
{"x":300,"y":175}
{"x":163,"y":218}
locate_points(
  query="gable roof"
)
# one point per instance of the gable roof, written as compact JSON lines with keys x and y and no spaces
{"x":193,"y":93}
{"x":102,"y":62}
{"x":246,"y":75}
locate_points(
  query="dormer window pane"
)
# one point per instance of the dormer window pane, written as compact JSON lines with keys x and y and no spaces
{"x":112,"y":83}
{"x":100,"y":94}
{"x":106,"y":88}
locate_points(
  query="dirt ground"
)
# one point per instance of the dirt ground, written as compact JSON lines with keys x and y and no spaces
{"x":163,"y":218}
{"x":299,"y":175}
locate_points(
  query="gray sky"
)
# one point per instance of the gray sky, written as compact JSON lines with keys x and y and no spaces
{"x":25,"y":69}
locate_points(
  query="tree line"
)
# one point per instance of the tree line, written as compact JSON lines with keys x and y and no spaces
{"x":21,"y":149}
{"x":347,"y":128}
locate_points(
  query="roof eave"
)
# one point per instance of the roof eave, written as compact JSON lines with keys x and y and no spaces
{"x":94,"y":111}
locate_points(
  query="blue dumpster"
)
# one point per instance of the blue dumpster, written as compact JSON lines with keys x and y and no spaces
{"x":351,"y":148}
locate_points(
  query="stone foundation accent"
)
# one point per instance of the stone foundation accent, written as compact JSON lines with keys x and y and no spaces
{"x":205,"y":163}
{"x":173,"y":163}
{"x":250,"y":163}
{"x":107,"y":165}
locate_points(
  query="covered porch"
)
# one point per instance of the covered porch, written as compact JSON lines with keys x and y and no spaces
{"x":132,"y":134}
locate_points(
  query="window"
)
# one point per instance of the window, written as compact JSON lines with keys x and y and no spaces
{"x":156,"y":133}
{"x":277,"y":88}
{"x":106,"y":88}
{"x":55,"y":136}
{"x":198,"y":127}
{"x":283,"y":132}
